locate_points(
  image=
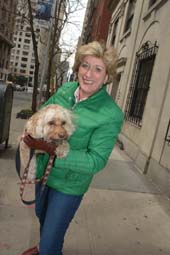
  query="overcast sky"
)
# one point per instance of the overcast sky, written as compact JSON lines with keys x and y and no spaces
{"x":73,"y":29}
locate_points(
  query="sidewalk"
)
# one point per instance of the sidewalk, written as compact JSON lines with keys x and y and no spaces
{"x":123,"y":213}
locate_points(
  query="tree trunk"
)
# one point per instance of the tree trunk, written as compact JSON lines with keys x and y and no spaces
{"x":36,"y":71}
{"x":54,"y":44}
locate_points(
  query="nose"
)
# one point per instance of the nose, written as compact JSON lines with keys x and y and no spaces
{"x":62,"y":135}
{"x":88,"y":72}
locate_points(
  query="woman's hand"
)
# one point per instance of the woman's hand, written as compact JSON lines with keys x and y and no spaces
{"x":39,"y":144}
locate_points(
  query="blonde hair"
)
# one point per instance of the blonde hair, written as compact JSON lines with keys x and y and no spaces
{"x":99,"y":50}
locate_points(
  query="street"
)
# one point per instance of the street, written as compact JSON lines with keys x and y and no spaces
{"x":123,"y":213}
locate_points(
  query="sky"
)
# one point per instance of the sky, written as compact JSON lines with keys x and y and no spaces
{"x":73,"y":29}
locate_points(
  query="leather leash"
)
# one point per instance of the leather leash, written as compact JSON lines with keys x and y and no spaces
{"x":24,"y":180}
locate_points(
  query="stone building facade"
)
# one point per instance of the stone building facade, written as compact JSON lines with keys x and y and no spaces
{"x":7,"y":21}
{"x":139,"y":30}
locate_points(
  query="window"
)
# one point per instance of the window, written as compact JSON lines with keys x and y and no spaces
{"x":24,"y":59}
{"x":27,"y":34}
{"x":28,"y":29}
{"x":27,"y":41}
{"x":25,"y":53}
{"x":141,"y":77}
{"x":23,"y":65}
{"x":26,"y":47}
{"x":22,"y":71}
{"x":152,"y":2}
{"x":130,"y":14}
{"x":114,"y":32}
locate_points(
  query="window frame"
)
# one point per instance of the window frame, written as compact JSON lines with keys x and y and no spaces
{"x":114,"y":32}
{"x":129,"y":16}
{"x":152,"y":2}
{"x":140,"y":83}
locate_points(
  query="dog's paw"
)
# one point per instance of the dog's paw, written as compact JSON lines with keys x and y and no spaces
{"x":62,"y":150}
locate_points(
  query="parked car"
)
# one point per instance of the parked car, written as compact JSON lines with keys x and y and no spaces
{"x":19,"y":87}
{"x":30,"y":89}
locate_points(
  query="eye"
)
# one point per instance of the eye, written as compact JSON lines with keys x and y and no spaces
{"x":63,"y":122}
{"x":98,"y":69}
{"x":51,"y":123}
{"x":84,"y":65}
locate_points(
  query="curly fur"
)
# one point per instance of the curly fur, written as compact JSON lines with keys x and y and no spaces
{"x":52,"y":123}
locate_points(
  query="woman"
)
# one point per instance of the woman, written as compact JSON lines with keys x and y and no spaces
{"x":98,"y":124}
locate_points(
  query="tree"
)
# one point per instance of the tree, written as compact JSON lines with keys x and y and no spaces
{"x":59,"y":11}
{"x":60,"y":50}
{"x":57,"y":48}
{"x":36,"y":71}
{"x":25,"y":11}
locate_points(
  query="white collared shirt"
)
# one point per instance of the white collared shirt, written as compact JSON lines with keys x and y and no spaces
{"x":77,"y":96}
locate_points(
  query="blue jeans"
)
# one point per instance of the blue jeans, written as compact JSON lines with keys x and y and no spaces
{"x":55,"y":211}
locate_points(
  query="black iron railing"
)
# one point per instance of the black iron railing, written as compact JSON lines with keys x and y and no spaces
{"x":167,"y":135}
{"x":140,"y":81}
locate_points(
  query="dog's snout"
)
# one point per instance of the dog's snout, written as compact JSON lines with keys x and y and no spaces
{"x":62,"y":135}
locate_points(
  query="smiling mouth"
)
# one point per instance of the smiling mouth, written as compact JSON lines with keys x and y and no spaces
{"x":87,"y":81}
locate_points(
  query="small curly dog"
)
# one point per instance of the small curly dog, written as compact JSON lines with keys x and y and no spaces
{"x":53,"y":124}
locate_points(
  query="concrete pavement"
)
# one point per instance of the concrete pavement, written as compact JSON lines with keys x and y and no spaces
{"x":123,"y":213}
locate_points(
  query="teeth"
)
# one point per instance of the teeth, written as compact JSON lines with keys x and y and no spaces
{"x":89,"y":82}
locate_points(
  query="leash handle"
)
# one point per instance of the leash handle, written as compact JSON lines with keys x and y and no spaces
{"x":24,"y":177}
{"x":24,"y":181}
{"x":47,"y":172}
{"x":43,"y":179}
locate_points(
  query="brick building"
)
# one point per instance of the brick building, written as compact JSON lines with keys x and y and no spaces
{"x":96,"y":22}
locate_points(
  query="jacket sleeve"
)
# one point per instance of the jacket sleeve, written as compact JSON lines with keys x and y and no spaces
{"x":98,"y":151}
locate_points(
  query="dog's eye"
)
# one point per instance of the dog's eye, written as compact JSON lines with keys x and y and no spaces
{"x":51,"y":123}
{"x":63,"y":122}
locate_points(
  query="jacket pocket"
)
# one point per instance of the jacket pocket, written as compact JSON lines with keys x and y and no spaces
{"x":78,"y":178}
{"x":58,"y":173}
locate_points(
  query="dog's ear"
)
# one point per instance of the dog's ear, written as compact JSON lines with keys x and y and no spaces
{"x":70,"y":125}
{"x":24,"y":154}
{"x":29,"y":127}
{"x":34,"y":125}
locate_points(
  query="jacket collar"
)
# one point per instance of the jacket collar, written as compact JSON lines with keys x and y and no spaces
{"x":97,"y":95}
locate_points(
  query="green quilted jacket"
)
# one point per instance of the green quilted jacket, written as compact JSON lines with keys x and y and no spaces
{"x":98,"y":123}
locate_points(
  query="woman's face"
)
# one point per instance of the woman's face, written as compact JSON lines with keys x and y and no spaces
{"x":91,"y":75}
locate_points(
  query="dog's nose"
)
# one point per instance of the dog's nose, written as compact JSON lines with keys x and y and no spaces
{"x":62,"y":135}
